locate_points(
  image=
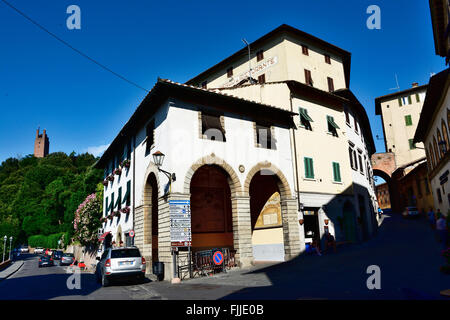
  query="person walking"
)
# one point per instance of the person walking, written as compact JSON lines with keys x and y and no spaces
{"x":431,"y":218}
{"x":441,"y":227}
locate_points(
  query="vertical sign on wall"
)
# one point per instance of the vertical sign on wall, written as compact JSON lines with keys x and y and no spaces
{"x":180,"y":223}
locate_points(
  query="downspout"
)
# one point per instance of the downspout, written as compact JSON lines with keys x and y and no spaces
{"x":295,"y":156}
{"x":134,"y":183}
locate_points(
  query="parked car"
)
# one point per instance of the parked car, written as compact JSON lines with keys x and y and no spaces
{"x":39,"y":250}
{"x":120,"y":263}
{"x":24,"y":249}
{"x":410,"y":212}
{"x":45,"y":261}
{"x":56,"y":255}
{"x":67,"y":259}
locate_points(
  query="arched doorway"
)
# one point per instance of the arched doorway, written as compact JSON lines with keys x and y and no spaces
{"x":151,"y":218}
{"x":384,"y":189}
{"x":349,"y":222}
{"x":211,"y":210}
{"x":266,"y":220}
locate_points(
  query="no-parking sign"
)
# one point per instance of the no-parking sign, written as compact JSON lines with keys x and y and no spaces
{"x":131,"y":234}
{"x":218,"y":258}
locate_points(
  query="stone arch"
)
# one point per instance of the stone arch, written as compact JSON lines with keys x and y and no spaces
{"x":283,"y":185}
{"x":233,"y":179}
{"x":150,"y":169}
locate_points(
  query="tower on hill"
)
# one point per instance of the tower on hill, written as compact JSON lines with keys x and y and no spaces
{"x":41,"y":144}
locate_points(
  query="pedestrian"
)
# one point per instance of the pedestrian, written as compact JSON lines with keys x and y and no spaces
{"x":113,"y":244}
{"x":432,"y":218}
{"x":121,"y":243}
{"x":330,"y":242}
{"x":441,"y":227}
{"x":315,"y":246}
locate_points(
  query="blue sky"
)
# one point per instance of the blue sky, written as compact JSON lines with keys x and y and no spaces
{"x":82,"y":107}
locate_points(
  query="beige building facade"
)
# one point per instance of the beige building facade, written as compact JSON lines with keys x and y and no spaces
{"x":301,"y":73}
{"x":400,"y":114}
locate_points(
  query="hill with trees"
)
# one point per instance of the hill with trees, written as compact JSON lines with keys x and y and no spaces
{"x":39,"y":196}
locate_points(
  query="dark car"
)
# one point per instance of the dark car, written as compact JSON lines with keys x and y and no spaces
{"x":67,"y":259}
{"x":45,"y":261}
{"x":57,"y":255}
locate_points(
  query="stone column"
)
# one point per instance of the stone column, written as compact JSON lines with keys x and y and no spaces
{"x":291,"y":230}
{"x":242,"y":231}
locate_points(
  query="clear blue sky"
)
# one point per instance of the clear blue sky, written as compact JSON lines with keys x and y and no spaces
{"x":44,"y":83}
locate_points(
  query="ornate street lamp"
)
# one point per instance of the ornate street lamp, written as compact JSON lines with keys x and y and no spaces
{"x":4,"y":247}
{"x":158,"y":159}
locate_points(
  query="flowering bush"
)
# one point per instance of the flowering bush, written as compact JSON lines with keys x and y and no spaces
{"x":125,"y":210}
{"x":86,"y":222}
{"x":125,"y":163}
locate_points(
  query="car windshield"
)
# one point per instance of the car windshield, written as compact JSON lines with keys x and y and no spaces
{"x":68,"y":255}
{"x":125,"y":253}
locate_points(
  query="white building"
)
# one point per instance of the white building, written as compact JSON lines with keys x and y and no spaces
{"x":234,"y":184}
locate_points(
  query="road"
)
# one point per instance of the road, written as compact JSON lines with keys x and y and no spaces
{"x":406,"y":251}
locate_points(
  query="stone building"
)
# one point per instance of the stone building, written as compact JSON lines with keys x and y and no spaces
{"x":41,"y":144}
{"x":228,"y":157}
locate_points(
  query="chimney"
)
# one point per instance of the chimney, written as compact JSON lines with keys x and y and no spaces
{"x":415,"y":84}
{"x":44,"y":132}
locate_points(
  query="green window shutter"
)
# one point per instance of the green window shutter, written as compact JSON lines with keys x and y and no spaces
{"x":412,"y":145}
{"x":336,"y":172}
{"x":304,"y":113}
{"x":309,"y":168}
{"x":106,"y":207}
{"x":409,"y":100}
{"x":119,"y":200}
{"x":111,"y":208}
{"x":408,"y":120}
{"x":126,"y":198}
{"x":417,"y":97}
{"x":400,"y":102}
{"x":330,"y":120}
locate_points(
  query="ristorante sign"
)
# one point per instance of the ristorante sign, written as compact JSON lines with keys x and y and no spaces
{"x":263,"y":66}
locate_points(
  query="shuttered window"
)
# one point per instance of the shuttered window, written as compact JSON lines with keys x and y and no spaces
{"x":408,"y":120}
{"x":417,"y":97}
{"x":330,"y":84}
{"x":230,"y":72}
{"x":305,"y":119}
{"x":327,"y":59}
{"x":305,"y":50}
{"x":412,"y":145}
{"x":150,"y":136}
{"x":262,"y":79}
{"x":119,"y":200}
{"x":309,"y":168}
{"x":259,"y":55}
{"x":332,"y":126}
{"x":127,"y":196}
{"x":409,"y":100}
{"x":400,"y":102}
{"x":336,"y":172}
{"x":308,"y":78}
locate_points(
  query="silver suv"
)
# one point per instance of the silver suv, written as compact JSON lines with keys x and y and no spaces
{"x":120,"y":263}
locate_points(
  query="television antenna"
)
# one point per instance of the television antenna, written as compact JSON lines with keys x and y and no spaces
{"x":396,"y":81}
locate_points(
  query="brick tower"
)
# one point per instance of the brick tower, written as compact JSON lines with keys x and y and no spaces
{"x":41,"y":144}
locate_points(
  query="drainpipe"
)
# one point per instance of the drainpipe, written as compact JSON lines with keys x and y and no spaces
{"x":134,"y":184}
{"x":295,"y":157}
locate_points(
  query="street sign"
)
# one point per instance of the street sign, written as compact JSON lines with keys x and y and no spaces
{"x":180,"y":223}
{"x":131,"y":234}
{"x":218,"y":258}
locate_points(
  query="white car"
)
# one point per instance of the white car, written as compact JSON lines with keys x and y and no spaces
{"x":39,"y":250}
{"x":23,"y":249}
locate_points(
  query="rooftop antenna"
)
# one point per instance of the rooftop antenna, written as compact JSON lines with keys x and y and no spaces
{"x":398,"y":87}
{"x":249,"y":61}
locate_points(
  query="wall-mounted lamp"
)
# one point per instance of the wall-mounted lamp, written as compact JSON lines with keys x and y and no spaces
{"x":301,"y":221}
{"x":158,"y":159}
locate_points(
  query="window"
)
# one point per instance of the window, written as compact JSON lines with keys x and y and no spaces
{"x":332,"y":126}
{"x":204,"y":83}
{"x":356,"y":124}
{"x":347,"y":116}
{"x":327,"y":59}
{"x":438,"y":191}
{"x":127,"y":196}
{"x":445,"y":134}
{"x":355,"y":160}
{"x":361,"y":167}
{"x":400,"y":102}
{"x":330,"y":84}
{"x":118,"y":203}
{"x":350,"y":153}
{"x":230,"y":72}
{"x":309,"y":168}
{"x":150,"y":136}
{"x":408,"y":120}
{"x":262,"y":79}
{"x":308,"y":78}
{"x":417,"y":97}
{"x":440,"y":142}
{"x":212,"y":127}
{"x":409,"y":100}
{"x":305,"y":119}
{"x":431,"y":152}
{"x":259,"y":55}
{"x":336,"y":172}
{"x":264,"y":137}
{"x":412,"y":145}
{"x":106,"y":206}
{"x":305,"y":50}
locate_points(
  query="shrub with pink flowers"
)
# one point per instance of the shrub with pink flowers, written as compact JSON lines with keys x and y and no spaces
{"x":86,"y":222}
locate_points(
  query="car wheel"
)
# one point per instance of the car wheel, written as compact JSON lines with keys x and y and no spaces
{"x":105,"y":281}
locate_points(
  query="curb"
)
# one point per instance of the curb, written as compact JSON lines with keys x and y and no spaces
{"x":17,"y":269}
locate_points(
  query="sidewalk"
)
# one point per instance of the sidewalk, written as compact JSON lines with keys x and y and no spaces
{"x":11,"y":269}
